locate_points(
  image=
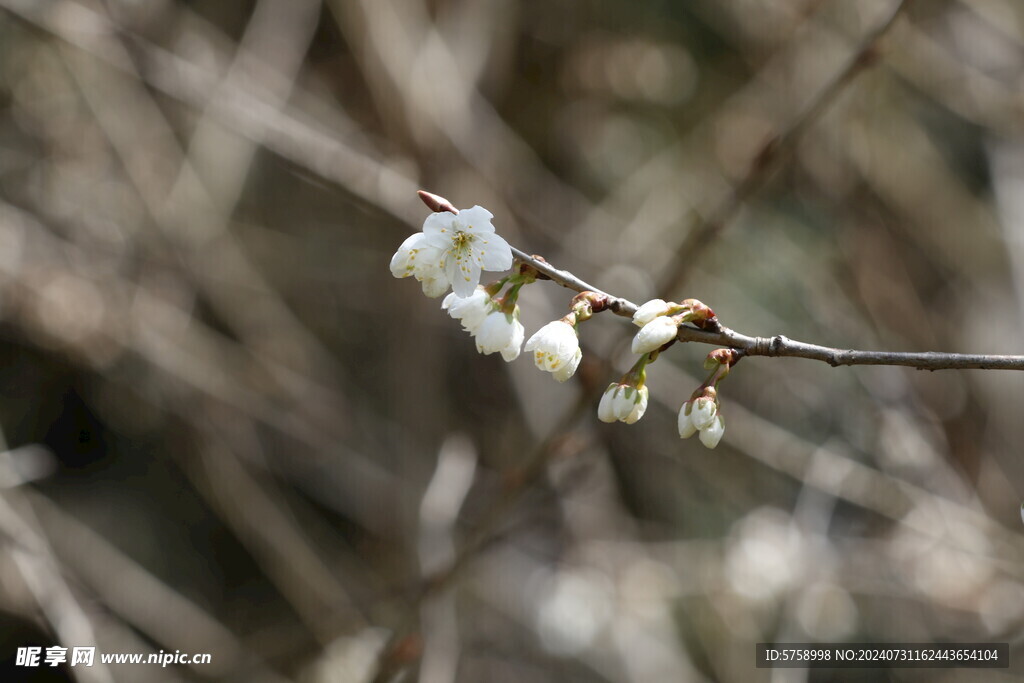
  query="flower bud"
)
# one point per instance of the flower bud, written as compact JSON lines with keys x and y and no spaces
{"x":704,"y":411}
{"x":649,"y":311}
{"x":622,"y":402}
{"x":655,"y":334}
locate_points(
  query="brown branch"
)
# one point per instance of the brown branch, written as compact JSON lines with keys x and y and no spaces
{"x":617,"y":305}
{"x":780,"y":346}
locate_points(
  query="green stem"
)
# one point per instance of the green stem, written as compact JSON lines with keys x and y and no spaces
{"x":507,"y":303}
{"x":495,"y":287}
{"x":637,"y":375}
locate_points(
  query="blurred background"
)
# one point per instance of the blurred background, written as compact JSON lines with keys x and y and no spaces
{"x":227,"y":429}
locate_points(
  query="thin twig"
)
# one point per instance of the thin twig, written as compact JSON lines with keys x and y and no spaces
{"x":780,"y":346}
{"x":617,"y":305}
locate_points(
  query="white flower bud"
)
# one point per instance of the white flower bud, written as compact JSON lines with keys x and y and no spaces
{"x":712,"y":434}
{"x":649,"y":311}
{"x":655,"y":334}
{"x":556,"y":347}
{"x":685,"y":423}
{"x":703,"y":413}
{"x":622,"y":402}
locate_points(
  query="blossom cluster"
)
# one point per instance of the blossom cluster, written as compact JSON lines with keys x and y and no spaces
{"x":456,"y":246}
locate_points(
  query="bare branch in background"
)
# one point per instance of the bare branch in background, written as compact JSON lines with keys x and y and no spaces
{"x":263,"y":446}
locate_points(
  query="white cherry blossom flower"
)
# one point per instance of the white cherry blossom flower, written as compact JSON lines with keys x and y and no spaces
{"x":500,"y":332}
{"x":468,"y":244}
{"x":712,"y":434}
{"x":451,"y":251}
{"x":649,"y":311}
{"x":622,"y":402}
{"x":556,"y":347}
{"x":470,"y":311}
{"x":655,"y":334}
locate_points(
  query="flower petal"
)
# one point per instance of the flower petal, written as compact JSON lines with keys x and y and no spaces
{"x":511,"y":350}
{"x":427,"y":258}
{"x":404,"y":261}
{"x":569,"y":369}
{"x":476,"y":219}
{"x":495,"y":253}
{"x":470,"y":311}
{"x":639,"y":407}
{"x":435,"y":286}
{"x":685,"y":423}
{"x":625,"y":398}
{"x":433,"y":279}
{"x":437,"y":242}
{"x":440,"y":223}
{"x":464,"y":275}
{"x":495,"y":333}
{"x":605,"y":409}
{"x":703,"y":412}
